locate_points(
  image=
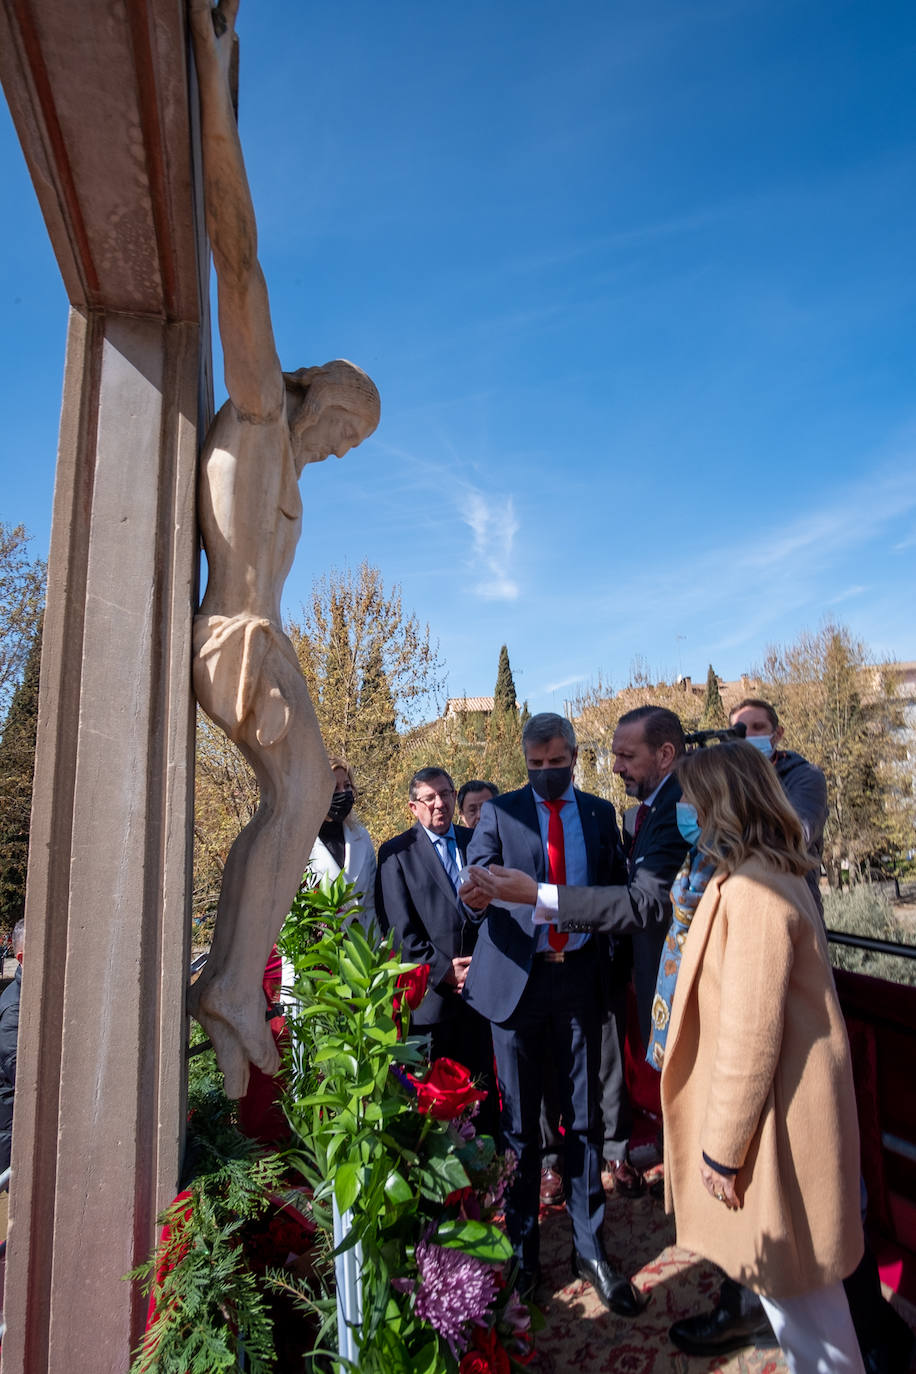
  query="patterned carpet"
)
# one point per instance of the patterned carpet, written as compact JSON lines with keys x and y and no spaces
{"x":579,"y":1335}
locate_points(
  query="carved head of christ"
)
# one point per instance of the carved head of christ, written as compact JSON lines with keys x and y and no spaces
{"x":330,"y":409}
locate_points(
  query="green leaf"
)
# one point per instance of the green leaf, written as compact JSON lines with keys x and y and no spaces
{"x":346,"y":1185}
{"x":477,"y":1238}
{"x":361,"y":952}
{"x":397,"y":1188}
{"x":427,"y":1360}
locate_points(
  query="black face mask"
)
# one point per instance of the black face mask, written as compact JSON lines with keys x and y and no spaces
{"x":341,"y":805}
{"x":550,"y":783}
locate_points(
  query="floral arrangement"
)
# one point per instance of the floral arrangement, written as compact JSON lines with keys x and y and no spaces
{"x":243,"y":1274}
{"x":392,"y":1138}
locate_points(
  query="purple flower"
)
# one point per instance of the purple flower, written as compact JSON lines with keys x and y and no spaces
{"x":455,"y":1292}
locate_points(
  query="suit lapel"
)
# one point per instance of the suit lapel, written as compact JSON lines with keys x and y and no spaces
{"x":462,"y":840}
{"x":428,"y":857}
{"x":528,"y":815}
{"x":668,"y":796}
{"x":591,"y":830}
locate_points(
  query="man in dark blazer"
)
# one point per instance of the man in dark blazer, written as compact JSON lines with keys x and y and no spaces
{"x":544,"y":995}
{"x":647,"y":744}
{"x":415,"y":895}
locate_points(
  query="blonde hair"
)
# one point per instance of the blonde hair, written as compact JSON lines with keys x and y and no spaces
{"x":337,"y":762}
{"x":742,"y":808}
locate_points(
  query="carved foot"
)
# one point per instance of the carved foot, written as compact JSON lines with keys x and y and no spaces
{"x":238,"y":1032}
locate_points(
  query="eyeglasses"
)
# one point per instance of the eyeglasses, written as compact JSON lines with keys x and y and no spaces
{"x":444,"y":796}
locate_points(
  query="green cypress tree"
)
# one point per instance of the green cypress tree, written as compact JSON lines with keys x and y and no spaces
{"x":504,"y":698}
{"x":714,"y":716}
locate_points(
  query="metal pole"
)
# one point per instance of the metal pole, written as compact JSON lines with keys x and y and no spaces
{"x":347,"y":1270}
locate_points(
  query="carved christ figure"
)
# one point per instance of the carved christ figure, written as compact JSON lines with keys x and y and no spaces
{"x":246,"y":674}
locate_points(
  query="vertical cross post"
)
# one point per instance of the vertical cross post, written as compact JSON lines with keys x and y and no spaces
{"x":99,"y":96}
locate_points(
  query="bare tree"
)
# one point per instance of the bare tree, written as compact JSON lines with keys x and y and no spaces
{"x":22,"y":592}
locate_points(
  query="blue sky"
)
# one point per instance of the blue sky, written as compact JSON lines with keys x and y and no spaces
{"x":635,"y":281}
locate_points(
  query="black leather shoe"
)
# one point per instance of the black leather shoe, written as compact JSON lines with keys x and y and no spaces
{"x":720,"y":1331}
{"x":616,"y":1292}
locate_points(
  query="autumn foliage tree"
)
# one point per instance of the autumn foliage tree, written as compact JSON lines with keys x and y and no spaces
{"x":372,"y":670}
{"x":17,"y":766}
{"x":22,"y":590}
{"x":597,"y":710}
{"x":22,"y":586}
{"x":841,"y":710}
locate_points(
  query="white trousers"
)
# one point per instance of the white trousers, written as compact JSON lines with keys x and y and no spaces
{"x":816,"y":1332}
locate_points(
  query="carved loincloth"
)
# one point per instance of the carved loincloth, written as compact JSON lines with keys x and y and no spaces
{"x":237,"y":655}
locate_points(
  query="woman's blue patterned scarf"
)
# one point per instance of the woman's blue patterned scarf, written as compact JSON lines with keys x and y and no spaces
{"x":686,"y":891}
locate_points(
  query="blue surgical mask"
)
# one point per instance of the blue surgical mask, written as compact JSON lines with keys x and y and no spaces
{"x":762,"y":742}
{"x":687,"y":822}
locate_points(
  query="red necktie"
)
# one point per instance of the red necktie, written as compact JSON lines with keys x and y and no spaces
{"x":556,"y":865}
{"x":641,"y":814}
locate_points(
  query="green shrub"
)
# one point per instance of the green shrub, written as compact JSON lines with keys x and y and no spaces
{"x":864,"y":910}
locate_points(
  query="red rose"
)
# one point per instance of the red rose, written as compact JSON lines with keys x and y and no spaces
{"x":474,"y":1363}
{"x":446,"y":1090}
{"x":413,"y":984}
{"x":487,"y":1343}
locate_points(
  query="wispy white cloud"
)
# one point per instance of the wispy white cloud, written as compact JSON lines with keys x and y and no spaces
{"x":846,"y":595}
{"x":571,"y":681}
{"x":494,"y":525}
{"x":746,"y":589}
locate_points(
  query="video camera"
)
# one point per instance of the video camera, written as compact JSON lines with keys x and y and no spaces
{"x":699,"y":739}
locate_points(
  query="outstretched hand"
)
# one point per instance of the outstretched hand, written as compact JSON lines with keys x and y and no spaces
{"x":499,"y":884}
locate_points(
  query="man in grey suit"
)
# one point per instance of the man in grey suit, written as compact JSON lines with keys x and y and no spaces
{"x":647,"y":743}
{"x":544,"y":995}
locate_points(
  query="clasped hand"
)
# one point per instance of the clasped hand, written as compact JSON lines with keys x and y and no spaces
{"x":496,"y":884}
{"x":720,"y":1186}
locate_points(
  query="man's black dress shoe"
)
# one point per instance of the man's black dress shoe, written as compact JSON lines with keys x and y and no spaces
{"x":720,"y":1331}
{"x":616,"y":1292}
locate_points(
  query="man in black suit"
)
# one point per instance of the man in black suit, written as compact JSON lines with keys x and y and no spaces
{"x":647,"y":744}
{"x":543,"y":995}
{"x":415,"y":895}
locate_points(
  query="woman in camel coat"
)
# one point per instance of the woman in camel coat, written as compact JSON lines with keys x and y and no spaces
{"x":761,"y":1138}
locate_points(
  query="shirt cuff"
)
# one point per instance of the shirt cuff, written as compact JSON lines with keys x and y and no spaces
{"x":548,"y":904}
{"x":719,"y":1168}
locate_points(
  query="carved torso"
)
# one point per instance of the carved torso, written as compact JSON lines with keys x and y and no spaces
{"x":247,"y":486}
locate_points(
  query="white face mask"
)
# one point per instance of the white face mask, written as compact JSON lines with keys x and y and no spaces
{"x":762,"y":742}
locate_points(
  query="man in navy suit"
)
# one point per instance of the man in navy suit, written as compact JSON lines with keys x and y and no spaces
{"x":543,"y":995}
{"x":416,"y":896}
